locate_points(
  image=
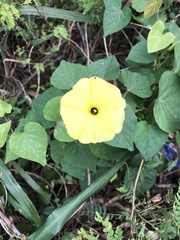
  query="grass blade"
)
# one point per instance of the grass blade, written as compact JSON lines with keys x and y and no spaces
{"x":56,"y":220}
{"x":45,"y":195}
{"x":18,"y":194}
{"x":50,"y":12}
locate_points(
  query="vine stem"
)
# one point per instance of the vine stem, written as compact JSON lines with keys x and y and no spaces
{"x":134,"y":189}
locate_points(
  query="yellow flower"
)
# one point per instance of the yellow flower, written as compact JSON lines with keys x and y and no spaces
{"x":93,"y":111}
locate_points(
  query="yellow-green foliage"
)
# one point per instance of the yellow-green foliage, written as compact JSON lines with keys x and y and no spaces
{"x":176,"y":211}
{"x":8,"y":15}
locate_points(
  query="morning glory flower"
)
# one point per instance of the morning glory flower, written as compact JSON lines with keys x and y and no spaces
{"x":93,"y":111}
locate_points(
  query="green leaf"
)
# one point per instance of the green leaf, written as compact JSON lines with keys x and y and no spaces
{"x":139,"y":54}
{"x":80,"y":155}
{"x":107,"y":68}
{"x":166,"y":108}
{"x":30,"y":144}
{"x":178,"y":137}
{"x":9,"y":154}
{"x":57,"y":150}
{"x":52,"y":109}
{"x":56,"y":220}
{"x":125,"y":138}
{"x":107,"y":152}
{"x":45,"y":195}
{"x":175,"y":30}
{"x":156,"y":39}
{"x":73,"y":170}
{"x":177,"y":59}
{"x":50,"y":12}
{"x":67,"y":74}
{"x":139,"y":6}
{"x":115,"y":19}
{"x":4,"y":129}
{"x":26,"y":206}
{"x":38,"y":104}
{"x":136,"y":83}
{"x":4,"y":108}
{"x":152,"y":6}
{"x":149,"y":139}
{"x":146,"y":179}
{"x":57,"y":154}
{"x":147,"y":74}
{"x":60,"y":132}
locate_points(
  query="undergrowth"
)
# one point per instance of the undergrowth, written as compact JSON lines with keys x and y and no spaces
{"x":53,"y":186}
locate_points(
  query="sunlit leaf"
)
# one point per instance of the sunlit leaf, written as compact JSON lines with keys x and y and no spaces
{"x":30,"y":144}
{"x":152,"y":6}
{"x":4,"y":108}
{"x":52,"y":109}
{"x":157,"y":40}
{"x":4,"y":129}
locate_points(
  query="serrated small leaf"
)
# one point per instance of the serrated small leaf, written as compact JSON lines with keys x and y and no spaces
{"x":152,"y":6}
{"x":156,"y":39}
{"x":30,"y":144}
{"x":4,"y":129}
{"x":166,"y":108}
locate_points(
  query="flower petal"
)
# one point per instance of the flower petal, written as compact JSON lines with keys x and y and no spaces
{"x":76,"y":110}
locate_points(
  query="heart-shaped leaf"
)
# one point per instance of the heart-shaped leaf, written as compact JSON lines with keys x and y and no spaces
{"x":30,"y":144}
{"x":107,"y":68}
{"x":138,"y":84}
{"x":52,"y":109}
{"x":166,"y":108}
{"x":4,"y":108}
{"x":125,"y":138}
{"x":145,"y":141}
{"x":4,"y":129}
{"x":115,"y":19}
{"x":152,"y":6}
{"x":157,"y":40}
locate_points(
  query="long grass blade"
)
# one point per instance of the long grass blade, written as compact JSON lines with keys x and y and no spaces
{"x":19,"y":195}
{"x":56,"y":220}
{"x":45,"y":195}
{"x":50,"y":12}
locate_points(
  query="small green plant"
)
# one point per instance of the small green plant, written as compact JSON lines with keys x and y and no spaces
{"x":108,"y":230}
{"x":9,"y":14}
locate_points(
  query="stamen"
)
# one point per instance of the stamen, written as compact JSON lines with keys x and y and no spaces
{"x":94,"y":111}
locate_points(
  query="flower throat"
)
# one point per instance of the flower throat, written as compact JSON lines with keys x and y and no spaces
{"x":94,"y":111}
